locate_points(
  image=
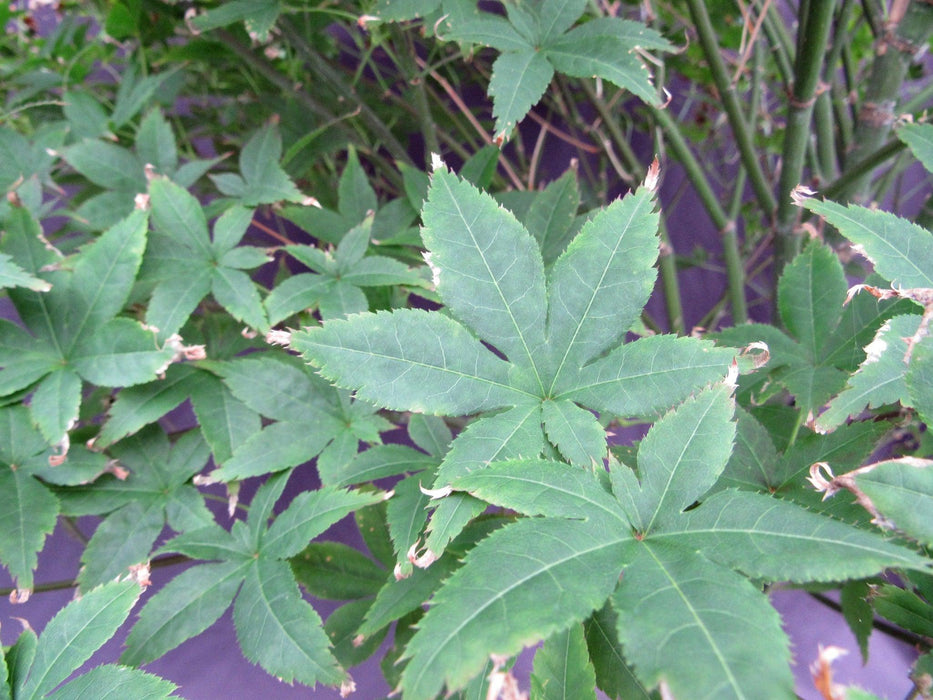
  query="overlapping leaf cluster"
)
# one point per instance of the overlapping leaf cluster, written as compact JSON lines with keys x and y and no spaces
{"x":531,"y":351}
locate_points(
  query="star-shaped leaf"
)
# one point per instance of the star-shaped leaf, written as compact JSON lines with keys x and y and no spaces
{"x":261,"y":180}
{"x":276,"y":628}
{"x":73,"y":332}
{"x":156,"y":492}
{"x":186,"y":264}
{"x":556,"y":338}
{"x":536,"y":39}
{"x":336,"y":285}
{"x":649,"y":548}
{"x":312,"y":418}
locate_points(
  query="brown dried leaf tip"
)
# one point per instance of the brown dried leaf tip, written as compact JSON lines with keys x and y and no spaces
{"x":822,"y":672}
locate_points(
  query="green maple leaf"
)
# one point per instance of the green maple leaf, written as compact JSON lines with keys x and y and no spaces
{"x":156,"y":492}
{"x":122,"y":172}
{"x":186,"y":264}
{"x":537,"y":39}
{"x":558,"y":355}
{"x":825,"y":336}
{"x":261,"y":180}
{"x":899,"y":366}
{"x":312,"y":418}
{"x":339,"y":278}
{"x":276,"y":628}
{"x":638,"y":539}
{"x":28,"y":510}
{"x":73,"y":333}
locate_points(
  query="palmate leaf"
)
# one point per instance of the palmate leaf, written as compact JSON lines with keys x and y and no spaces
{"x":276,"y":627}
{"x":825,"y":334}
{"x":537,"y":39}
{"x":263,"y":180}
{"x":490,"y":274}
{"x":276,"y":387}
{"x":72,"y":333}
{"x":186,"y":265}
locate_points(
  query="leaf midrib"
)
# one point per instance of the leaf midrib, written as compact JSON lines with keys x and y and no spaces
{"x":700,"y":625}
{"x":589,"y":305}
{"x":502,"y":298}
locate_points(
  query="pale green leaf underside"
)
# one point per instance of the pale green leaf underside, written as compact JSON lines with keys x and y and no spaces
{"x":879,"y":379}
{"x":902,"y":491}
{"x":572,"y":565}
{"x":776,"y":540}
{"x":410,"y":360}
{"x":902,"y":251}
{"x":541,"y":487}
{"x":703,"y":629}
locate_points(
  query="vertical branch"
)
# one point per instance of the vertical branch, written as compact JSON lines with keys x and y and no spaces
{"x":808,"y":66}
{"x":730,"y":101}
{"x":903,"y":36}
